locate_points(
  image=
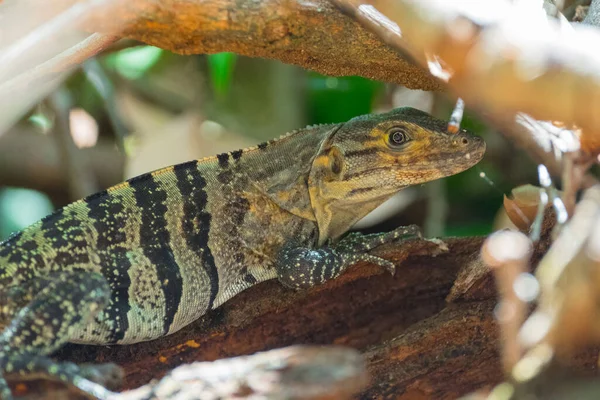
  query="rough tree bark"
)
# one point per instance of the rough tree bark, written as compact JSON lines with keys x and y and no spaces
{"x":277,"y":29}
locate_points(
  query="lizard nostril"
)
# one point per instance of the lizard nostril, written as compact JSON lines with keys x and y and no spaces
{"x":465,"y":141}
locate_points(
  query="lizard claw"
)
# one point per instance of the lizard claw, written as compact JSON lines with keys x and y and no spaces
{"x":389,"y":266}
{"x":409,"y":230}
{"x":382,"y":262}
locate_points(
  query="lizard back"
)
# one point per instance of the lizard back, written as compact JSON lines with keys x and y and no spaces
{"x":181,"y":235}
{"x":174,"y":243}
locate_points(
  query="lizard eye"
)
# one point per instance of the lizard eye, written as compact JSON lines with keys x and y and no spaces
{"x":398,"y":137}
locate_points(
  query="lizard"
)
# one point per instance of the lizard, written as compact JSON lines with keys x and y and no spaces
{"x":142,"y":259}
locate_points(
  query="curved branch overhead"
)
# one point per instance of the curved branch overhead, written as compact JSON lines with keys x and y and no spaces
{"x":312,"y":34}
{"x":503,"y":57}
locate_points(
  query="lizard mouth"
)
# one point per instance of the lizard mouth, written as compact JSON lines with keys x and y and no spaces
{"x":478,"y":152}
{"x":466,"y":160}
{"x":445,"y":164}
{"x":471,"y":155}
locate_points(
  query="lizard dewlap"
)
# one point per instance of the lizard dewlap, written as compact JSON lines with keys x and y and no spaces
{"x":145,"y":258}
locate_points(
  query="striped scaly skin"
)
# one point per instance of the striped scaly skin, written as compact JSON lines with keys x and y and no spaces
{"x":145,"y":258}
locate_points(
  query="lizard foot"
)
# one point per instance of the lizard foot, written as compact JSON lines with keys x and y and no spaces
{"x":64,"y":301}
{"x":303,"y":267}
{"x":358,"y":242}
{"x":389,"y":266}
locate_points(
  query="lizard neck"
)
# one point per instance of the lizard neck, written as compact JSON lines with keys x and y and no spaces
{"x":280,"y":168}
{"x":335,"y":217}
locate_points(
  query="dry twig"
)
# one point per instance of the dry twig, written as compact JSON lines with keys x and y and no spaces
{"x":81,"y":181}
{"x":507,"y":253}
{"x":566,"y":319}
{"x":40,"y":42}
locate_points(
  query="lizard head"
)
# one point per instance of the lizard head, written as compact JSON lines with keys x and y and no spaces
{"x":366,"y":160}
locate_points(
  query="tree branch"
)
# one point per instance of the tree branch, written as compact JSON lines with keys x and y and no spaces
{"x":25,"y":89}
{"x":311,"y":34}
{"x":32,"y":160}
{"x":363,"y":309}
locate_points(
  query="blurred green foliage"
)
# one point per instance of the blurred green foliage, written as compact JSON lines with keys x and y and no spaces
{"x":332,"y":100}
{"x":41,"y":121}
{"x":135,"y":62}
{"x":220,"y":68}
{"x":472,"y":201}
{"x":21,"y":207}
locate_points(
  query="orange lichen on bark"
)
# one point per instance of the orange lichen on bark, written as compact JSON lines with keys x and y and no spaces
{"x":313,"y":35}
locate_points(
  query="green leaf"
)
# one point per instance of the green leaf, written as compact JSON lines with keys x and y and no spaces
{"x":135,"y":62}
{"x":41,"y":121}
{"x":220,"y":69}
{"x":332,"y":99}
{"x":469,"y":229}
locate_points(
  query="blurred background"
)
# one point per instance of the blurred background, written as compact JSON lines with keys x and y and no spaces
{"x":137,"y":108}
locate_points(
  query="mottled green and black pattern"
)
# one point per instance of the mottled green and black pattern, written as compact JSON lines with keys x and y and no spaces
{"x":147,"y":257}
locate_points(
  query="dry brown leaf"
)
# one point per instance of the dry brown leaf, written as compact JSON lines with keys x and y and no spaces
{"x":522,"y":205}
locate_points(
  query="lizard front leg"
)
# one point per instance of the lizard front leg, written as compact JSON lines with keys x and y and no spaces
{"x":357,"y":242}
{"x":302,"y":267}
{"x":59,"y":304}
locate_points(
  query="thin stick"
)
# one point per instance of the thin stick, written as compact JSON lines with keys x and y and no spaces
{"x":507,"y":253}
{"x":64,"y":61}
{"x":101,"y":82}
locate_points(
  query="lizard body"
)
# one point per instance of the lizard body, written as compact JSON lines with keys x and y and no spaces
{"x":145,"y":258}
